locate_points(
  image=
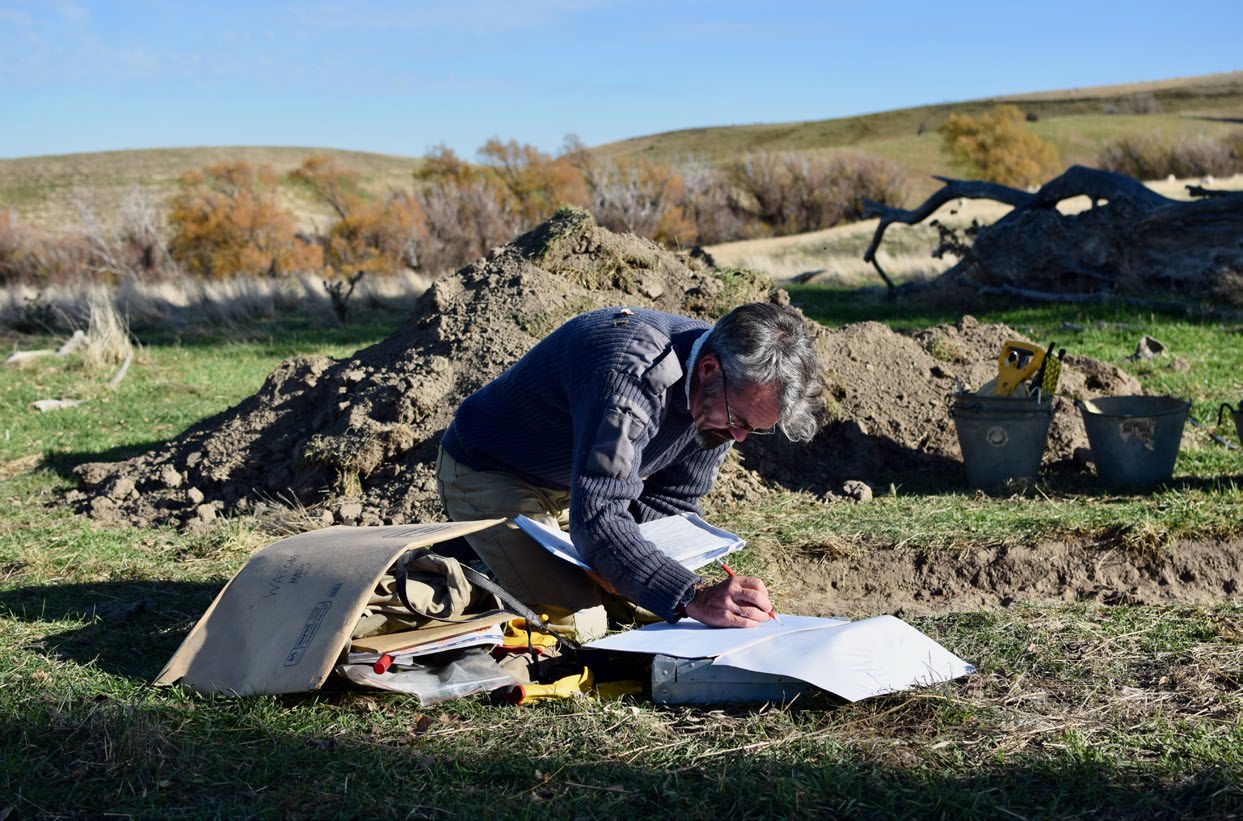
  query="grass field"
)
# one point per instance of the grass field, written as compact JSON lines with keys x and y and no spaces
{"x":1078,"y":710}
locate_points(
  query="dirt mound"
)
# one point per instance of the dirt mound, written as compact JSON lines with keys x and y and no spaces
{"x":356,"y":439}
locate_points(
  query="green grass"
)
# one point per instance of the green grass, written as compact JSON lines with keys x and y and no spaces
{"x":1077,"y":710}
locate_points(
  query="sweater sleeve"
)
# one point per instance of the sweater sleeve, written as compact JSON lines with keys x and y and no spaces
{"x":678,"y":488}
{"x":614,"y":418}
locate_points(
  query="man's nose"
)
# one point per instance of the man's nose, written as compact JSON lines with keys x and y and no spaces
{"x":738,"y":434}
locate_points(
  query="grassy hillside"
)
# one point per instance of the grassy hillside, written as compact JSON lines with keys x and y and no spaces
{"x":1076,"y":121}
{"x":44,"y":190}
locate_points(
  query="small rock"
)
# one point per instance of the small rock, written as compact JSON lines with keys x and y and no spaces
{"x":93,"y":474}
{"x":651,"y":288}
{"x":326,"y":517}
{"x":102,"y":507}
{"x":170,"y":477}
{"x":350,"y":511}
{"x":194,"y":458}
{"x":1147,"y":349}
{"x":858,"y":490}
{"x":121,"y":488}
{"x":195,"y":496}
{"x":206,"y":512}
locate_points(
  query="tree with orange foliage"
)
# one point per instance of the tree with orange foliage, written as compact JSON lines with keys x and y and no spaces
{"x":226,"y":222}
{"x":372,"y":236}
{"x":998,"y":146}
{"x":538,"y":183}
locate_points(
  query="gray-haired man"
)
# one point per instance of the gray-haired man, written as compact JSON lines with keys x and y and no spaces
{"x":617,"y":417}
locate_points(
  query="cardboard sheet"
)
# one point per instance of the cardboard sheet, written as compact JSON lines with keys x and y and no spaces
{"x":281,"y":623}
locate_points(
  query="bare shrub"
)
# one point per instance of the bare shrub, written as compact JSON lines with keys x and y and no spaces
{"x":29,"y":255}
{"x":137,"y":247}
{"x":1201,"y":156}
{"x":795,"y":193}
{"x":708,"y":202}
{"x":1149,"y":158}
{"x":463,"y":219}
{"x":1143,"y":103}
{"x":639,"y":197}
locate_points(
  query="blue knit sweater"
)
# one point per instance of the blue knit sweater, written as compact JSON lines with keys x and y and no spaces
{"x":599,"y":407}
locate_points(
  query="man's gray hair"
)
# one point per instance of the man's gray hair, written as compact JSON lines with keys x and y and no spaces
{"x":760,"y":344}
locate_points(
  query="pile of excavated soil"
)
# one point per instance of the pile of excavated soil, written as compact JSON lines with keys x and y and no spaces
{"x":356,"y":439}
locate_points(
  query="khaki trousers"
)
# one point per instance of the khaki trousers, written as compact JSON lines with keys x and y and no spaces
{"x":574,"y":603}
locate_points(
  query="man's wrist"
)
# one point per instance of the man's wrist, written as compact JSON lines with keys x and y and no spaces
{"x":687,"y":598}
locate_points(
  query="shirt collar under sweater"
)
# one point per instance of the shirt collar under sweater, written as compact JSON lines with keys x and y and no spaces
{"x":690,"y":364}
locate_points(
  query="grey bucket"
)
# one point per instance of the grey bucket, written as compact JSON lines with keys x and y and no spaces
{"x":1134,"y":439}
{"x":1236,"y":414}
{"x":1002,"y":438}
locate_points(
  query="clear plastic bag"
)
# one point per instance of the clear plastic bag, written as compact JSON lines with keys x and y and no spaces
{"x":438,"y":677}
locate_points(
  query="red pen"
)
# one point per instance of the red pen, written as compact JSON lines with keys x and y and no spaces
{"x":772,"y":615}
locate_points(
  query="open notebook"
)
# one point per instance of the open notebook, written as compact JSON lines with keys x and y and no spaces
{"x":688,"y":540}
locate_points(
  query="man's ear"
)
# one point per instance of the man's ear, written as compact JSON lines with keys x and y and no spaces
{"x":707,"y":367}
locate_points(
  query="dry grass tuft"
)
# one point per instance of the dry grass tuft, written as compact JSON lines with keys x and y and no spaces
{"x":108,"y":342}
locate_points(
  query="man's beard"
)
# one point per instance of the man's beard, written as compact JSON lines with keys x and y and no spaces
{"x":712,"y":438}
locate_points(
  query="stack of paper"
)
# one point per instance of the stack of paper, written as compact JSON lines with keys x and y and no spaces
{"x":688,"y":540}
{"x":854,"y":660}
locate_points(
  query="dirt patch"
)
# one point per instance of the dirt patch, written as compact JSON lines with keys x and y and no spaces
{"x":896,"y":580}
{"x":356,"y":439}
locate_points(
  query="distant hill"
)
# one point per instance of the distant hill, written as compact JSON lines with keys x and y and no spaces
{"x":45,"y":190}
{"x":1078,"y":121}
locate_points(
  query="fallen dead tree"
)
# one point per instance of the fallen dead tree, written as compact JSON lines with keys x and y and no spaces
{"x":1131,"y":245}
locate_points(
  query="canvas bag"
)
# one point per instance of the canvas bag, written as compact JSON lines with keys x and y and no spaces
{"x":421,"y":588}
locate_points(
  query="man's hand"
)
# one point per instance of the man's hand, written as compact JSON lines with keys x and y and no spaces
{"x":739,"y":601}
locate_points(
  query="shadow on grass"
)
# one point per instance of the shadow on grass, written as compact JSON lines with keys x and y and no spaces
{"x":130,"y":629}
{"x":226,"y":757}
{"x":63,"y":463}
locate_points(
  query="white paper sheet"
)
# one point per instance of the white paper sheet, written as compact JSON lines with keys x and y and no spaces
{"x":691,"y":639}
{"x":855,"y":660}
{"x":688,"y":540}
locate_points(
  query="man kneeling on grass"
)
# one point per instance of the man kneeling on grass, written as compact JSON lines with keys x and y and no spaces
{"x":618,"y":417}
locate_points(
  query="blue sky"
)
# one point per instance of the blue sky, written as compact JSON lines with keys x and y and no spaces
{"x":403,"y":77}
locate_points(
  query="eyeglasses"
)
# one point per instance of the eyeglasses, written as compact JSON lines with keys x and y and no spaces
{"x":729,"y":415}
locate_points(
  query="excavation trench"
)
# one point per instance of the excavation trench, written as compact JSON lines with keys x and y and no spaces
{"x":897,"y":580}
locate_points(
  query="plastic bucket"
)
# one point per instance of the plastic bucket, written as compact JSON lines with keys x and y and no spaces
{"x":1236,"y":415}
{"x":1002,"y":438}
{"x":1134,"y":439}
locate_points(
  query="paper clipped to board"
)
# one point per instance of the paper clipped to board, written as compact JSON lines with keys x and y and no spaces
{"x":688,"y":540}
